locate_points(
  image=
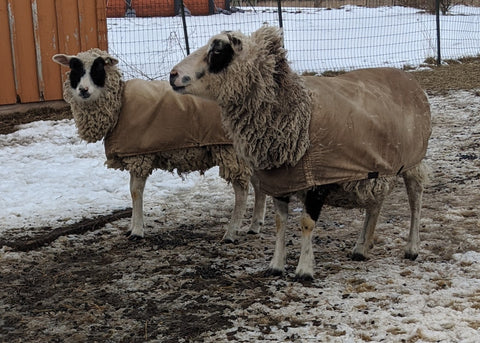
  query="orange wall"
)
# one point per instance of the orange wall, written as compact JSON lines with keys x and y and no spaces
{"x":32,"y":31}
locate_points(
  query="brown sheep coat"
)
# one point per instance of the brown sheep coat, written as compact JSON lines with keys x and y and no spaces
{"x":365,"y":124}
{"x":156,"y":119}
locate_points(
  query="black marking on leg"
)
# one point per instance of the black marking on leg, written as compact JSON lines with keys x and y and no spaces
{"x":315,"y":199}
{"x":283,"y":199}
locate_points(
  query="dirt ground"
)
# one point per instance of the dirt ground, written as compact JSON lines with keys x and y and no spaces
{"x":88,"y":283}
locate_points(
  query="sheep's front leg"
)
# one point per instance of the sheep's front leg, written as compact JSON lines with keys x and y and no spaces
{"x":241,"y":194}
{"x":304,"y":269}
{"x":314,"y":199}
{"x":414,"y":185}
{"x":277,"y":265}
{"x":258,"y":207}
{"x":365,"y":239}
{"x":137,"y":185}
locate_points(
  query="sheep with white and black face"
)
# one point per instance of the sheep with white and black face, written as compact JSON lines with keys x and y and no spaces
{"x":146,"y":126}
{"x":340,"y":141}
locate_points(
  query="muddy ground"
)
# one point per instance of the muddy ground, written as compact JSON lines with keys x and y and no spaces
{"x":181,"y":284}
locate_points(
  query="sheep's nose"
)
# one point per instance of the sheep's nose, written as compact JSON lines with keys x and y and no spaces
{"x":173,"y":77}
{"x":84,"y":92}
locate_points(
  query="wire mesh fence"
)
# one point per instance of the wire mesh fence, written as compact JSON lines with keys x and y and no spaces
{"x":151,"y":36}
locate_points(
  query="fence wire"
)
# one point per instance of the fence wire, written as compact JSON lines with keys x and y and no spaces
{"x":320,"y":35}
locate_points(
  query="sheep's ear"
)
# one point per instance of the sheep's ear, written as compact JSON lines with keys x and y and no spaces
{"x":235,"y":42}
{"x":111,"y":61}
{"x":62,"y":59}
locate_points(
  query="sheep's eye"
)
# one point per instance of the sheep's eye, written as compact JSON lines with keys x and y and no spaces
{"x":76,"y":72}
{"x":220,"y":56}
{"x":97,"y":72}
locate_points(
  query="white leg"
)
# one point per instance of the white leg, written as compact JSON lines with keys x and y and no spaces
{"x":137,"y":185}
{"x":241,"y":194}
{"x":277,"y":265}
{"x":306,"y":262}
{"x":414,"y":185}
{"x":258,"y":208}
{"x":365,"y":239}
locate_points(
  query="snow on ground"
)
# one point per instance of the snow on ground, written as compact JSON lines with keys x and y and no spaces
{"x":64,"y":178}
{"x":181,"y":284}
{"x":182,"y":276}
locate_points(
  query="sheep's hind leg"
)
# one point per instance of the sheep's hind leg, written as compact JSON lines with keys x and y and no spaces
{"x":277,"y":265}
{"x":258,"y":208}
{"x":414,"y":185}
{"x":365,"y":239}
{"x":241,"y":194}
{"x":137,"y":185}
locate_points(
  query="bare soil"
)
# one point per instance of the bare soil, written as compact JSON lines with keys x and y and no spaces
{"x":88,"y":283}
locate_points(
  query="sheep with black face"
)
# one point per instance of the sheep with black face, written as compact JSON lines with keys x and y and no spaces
{"x":340,"y":141}
{"x":147,"y":126}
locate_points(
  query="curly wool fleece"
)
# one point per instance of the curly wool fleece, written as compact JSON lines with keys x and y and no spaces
{"x":260,"y":90}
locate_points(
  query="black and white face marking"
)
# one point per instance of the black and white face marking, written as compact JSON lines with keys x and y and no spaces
{"x":219,"y":56}
{"x":212,"y":59}
{"x":76,"y":72}
{"x":87,"y":73}
{"x":87,"y":80}
{"x":97,"y":72}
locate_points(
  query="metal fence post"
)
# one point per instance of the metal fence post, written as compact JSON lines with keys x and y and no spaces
{"x":437,"y":15}
{"x":184,"y":22}
{"x":279,"y":6}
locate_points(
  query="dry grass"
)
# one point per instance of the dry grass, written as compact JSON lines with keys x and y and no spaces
{"x":453,"y":75}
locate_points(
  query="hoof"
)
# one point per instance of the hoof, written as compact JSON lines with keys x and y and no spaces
{"x":303,"y":278}
{"x":230,"y":241}
{"x":410,"y":256}
{"x":358,"y":257}
{"x":273,"y":272}
{"x":134,"y":238}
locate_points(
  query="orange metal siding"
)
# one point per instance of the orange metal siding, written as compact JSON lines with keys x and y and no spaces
{"x":32,"y":31}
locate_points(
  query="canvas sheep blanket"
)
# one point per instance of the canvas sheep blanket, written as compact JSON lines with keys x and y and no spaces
{"x":154,"y":119}
{"x":365,"y":124}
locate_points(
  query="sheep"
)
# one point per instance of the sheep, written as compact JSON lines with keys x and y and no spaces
{"x":340,"y":141}
{"x":147,"y":126}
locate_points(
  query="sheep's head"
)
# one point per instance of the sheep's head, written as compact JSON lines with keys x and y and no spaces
{"x":196,"y":73}
{"x":94,"y":90}
{"x":231,"y":60}
{"x":87,"y":75}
